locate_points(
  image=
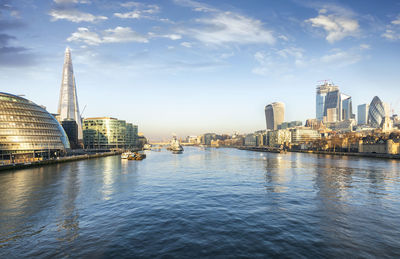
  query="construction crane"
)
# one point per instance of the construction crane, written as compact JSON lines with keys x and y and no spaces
{"x":83,"y":110}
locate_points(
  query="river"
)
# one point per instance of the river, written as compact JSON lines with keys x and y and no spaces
{"x":217,"y":203}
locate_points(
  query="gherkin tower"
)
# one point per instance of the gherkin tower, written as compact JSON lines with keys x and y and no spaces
{"x":68,"y":108}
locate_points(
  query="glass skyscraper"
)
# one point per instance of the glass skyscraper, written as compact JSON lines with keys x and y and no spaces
{"x":322,"y":91}
{"x":362,"y":114}
{"x":274,"y":115}
{"x":68,"y":108}
{"x":377,"y":112}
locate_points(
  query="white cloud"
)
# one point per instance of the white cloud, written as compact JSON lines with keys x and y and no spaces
{"x":140,"y":10}
{"x":186,"y":44}
{"x":228,"y":27}
{"x":365,"y":46}
{"x":279,"y":62}
{"x":196,"y":6}
{"x":66,"y":2}
{"x":122,"y":34}
{"x":392,"y":31}
{"x":86,"y":36}
{"x":173,"y":36}
{"x":74,"y":16}
{"x":336,"y":26}
{"x":116,"y":35}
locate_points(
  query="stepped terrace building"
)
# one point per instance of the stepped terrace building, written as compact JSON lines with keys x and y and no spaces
{"x":109,"y":133}
{"x":28,"y":132}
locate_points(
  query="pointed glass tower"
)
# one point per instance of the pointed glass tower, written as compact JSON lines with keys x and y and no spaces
{"x":68,"y":108}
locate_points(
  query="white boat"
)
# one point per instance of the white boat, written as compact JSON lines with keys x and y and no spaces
{"x":147,"y":146}
{"x":175,"y":146}
{"x":125,"y":155}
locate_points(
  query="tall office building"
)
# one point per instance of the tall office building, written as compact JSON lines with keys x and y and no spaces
{"x":322,"y":91}
{"x":68,"y":108}
{"x":378,"y":110}
{"x":332,"y":107}
{"x":346,"y":107}
{"x":362,"y":114}
{"x":274,"y":115}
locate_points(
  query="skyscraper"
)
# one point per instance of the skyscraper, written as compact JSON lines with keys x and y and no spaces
{"x":377,"y":112}
{"x":362,"y":114}
{"x":274,"y":115}
{"x":68,"y":108}
{"x":322,"y":91}
{"x":332,"y":106}
{"x":346,"y":107}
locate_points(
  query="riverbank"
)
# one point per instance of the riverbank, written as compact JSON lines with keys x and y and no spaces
{"x":372,"y":155}
{"x":57,"y":161}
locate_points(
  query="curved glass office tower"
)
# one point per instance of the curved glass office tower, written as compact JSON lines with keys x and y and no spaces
{"x":274,"y":115}
{"x":28,"y":128}
{"x":376,"y":112}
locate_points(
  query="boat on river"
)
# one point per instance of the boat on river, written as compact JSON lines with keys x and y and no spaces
{"x":175,"y":146}
{"x":136,"y":156}
{"x":125,"y":155}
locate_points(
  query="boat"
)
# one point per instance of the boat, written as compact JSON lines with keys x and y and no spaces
{"x":125,"y":155}
{"x":136,"y":156}
{"x":175,"y":146}
{"x":147,"y":147}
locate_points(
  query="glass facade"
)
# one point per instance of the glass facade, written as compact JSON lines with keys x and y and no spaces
{"x":274,"y":115}
{"x":26,"y":127}
{"x":322,"y":91}
{"x":376,"y":112}
{"x":108,"y":133}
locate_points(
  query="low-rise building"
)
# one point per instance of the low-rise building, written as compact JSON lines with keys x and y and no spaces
{"x":304,"y":135}
{"x":108,"y":133}
{"x":279,"y":137}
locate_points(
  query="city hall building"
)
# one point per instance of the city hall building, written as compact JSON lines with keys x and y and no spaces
{"x":28,"y":131}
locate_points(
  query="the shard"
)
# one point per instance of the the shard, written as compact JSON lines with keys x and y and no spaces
{"x":68,"y":108}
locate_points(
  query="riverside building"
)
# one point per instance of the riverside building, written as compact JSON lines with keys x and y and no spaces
{"x":107,"y":133}
{"x":28,"y":132}
{"x":377,"y":112}
{"x":274,"y":115}
{"x":362,"y":114}
{"x":68,"y":108}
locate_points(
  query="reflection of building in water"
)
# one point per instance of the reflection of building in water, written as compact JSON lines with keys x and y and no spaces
{"x":276,"y":175}
{"x":26,"y":194}
{"x":69,"y":218}
{"x":108,"y":180}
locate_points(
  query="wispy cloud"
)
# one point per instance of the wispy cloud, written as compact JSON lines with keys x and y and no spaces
{"x":74,"y":15}
{"x":116,"y":35}
{"x":278,"y":61}
{"x":228,"y":27}
{"x":70,"y":2}
{"x":66,"y":10}
{"x":139,"y":11}
{"x":196,"y":6}
{"x":337,"y":23}
{"x":392,"y":31}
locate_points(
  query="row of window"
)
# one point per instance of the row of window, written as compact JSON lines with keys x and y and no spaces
{"x":20,"y":106}
{"x":41,"y":114}
{"x":13,"y":118}
{"x":29,"y":132}
{"x":27,"y":125}
{"x":28,"y":139}
{"x":30,"y":146}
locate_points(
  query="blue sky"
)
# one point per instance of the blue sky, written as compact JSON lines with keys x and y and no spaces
{"x":189,"y":67}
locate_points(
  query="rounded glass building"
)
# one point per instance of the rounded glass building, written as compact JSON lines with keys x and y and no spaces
{"x":28,"y":130}
{"x":376,"y":112}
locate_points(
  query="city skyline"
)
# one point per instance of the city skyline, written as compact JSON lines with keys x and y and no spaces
{"x":190,"y":67}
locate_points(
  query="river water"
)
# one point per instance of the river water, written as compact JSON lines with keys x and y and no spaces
{"x":217,"y":203}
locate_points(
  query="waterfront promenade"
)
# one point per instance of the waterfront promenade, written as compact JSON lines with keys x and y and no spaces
{"x":20,"y":165}
{"x":275,"y":150}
